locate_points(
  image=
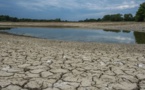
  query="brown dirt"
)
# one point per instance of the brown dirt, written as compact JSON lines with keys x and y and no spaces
{"x":134,"y":26}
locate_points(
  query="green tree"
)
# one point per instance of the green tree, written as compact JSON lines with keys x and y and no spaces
{"x":57,"y":20}
{"x":140,"y":14}
{"x":128,"y":17}
{"x":116,"y":17}
{"x":99,"y":19}
{"x":4,"y":18}
{"x":113,"y":17}
{"x":107,"y":18}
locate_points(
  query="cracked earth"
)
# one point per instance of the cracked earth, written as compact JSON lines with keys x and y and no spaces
{"x":37,"y":64}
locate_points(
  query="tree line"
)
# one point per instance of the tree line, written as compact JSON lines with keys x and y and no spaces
{"x":140,"y":16}
{"x":6,"y":18}
{"x":112,"y":17}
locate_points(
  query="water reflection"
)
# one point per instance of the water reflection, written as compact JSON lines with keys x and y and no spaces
{"x":77,"y":34}
{"x":5,"y":28}
{"x":109,"y":30}
{"x":139,"y":37}
{"x":125,"y":31}
{"x":117,"y":31}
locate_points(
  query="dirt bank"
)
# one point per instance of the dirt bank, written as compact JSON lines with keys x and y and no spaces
{"x":134,"y":26}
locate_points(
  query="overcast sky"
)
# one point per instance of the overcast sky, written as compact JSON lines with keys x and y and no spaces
{"x":67,"y":9}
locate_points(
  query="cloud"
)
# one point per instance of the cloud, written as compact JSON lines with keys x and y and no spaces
{"x":123,"y":38}
{"x":127,"y":5}
{"x":48,"y":4}
{"x":77,"y":5}
{"x":109,"y":38}
{"x":67,"y":9}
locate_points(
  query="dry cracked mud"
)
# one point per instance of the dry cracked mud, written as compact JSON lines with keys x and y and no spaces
{"x":36,"y":64}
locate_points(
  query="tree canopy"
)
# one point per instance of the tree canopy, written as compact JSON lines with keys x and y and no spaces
{"x":140,"y":14}
{"x":128,"y":17}
{"x":113,"y":17}
{"x":5,"y":18}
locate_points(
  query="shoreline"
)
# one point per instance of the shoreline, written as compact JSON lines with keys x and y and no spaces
{"x":129,"y":26}
{"x":83,"y":45}
{"x":16,"y":36}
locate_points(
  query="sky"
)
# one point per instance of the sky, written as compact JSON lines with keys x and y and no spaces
{"x":67,"y":9}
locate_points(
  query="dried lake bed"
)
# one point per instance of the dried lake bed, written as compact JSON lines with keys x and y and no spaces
{"x":28,"y":63}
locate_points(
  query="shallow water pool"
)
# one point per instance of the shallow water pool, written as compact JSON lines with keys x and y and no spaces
{"x":80,"y":34}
